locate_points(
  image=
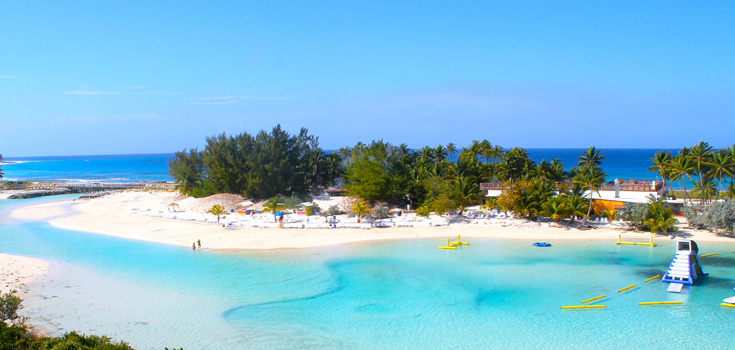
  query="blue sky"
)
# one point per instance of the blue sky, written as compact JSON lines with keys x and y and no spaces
{"x":118,"y":77}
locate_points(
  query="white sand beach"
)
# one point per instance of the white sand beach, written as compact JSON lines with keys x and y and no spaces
{"x":148,"y":216}
{"x":17,"y":271}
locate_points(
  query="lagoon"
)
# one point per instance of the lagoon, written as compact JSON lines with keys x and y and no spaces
{"x":395,"y":295}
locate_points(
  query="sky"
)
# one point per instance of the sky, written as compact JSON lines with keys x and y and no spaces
{"x":128,"y":77}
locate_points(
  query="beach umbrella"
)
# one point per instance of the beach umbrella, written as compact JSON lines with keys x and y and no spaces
{"x":305,"y":204}
{"x":246,"y":203}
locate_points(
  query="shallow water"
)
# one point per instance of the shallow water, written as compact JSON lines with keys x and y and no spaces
{"x":397,"y":295}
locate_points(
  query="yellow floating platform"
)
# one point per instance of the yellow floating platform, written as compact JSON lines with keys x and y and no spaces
{"x":706,"y":255}
{"x":453,"y":245}
{"x":595,"y":298}
{"x":726,"y":304}
{"x":626,"y":288}
{"x":583,"y":307}
{"x":660,"y":303}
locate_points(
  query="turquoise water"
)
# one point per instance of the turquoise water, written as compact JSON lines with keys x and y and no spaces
{"x":395,"y":295}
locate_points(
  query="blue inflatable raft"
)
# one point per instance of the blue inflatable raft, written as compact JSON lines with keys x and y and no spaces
{"x":542,"y":244}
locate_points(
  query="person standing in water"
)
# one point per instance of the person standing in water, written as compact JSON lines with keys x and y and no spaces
{"x":193,"y":246}
{"x":199,"y":243}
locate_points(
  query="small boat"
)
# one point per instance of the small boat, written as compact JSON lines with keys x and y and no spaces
{"x":542,"y":244}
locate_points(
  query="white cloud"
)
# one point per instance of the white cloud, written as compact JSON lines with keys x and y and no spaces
{"x":89,"y":93}
{"x":239,"y":98}
{"x":213,"y":102}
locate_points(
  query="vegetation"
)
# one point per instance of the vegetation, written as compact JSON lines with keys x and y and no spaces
{"x":217,"y":210}
{"x":1,"y":168}
{"x":707,"y":168}
{"x":654,"y":216}
{"x":718,"y":217}
{"x":361,"y":209}
{"x":258,"y":166}
{"x":273,"y":205}
{"x":15,"y":335}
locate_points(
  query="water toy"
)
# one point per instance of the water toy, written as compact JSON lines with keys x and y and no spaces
{"x":660,"y":303}
{"x":626,"y":288}
{"x":542,"y":244}
{"x":706,"y":255}
{"x":453,"y":245}
{"x":684,"y":267}
{"x":653,"y":278}
{"x":620,"y":241}
{"x":595,"y":298}
{"x":583,"y":307}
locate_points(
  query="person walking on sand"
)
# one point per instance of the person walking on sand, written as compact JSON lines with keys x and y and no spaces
{"x":193,"y":246}
{"x":199,"y":243}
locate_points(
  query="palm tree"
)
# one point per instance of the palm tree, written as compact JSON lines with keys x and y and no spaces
{"x":706,"y":189}
{"x":496,"y":153}
{"x":661,"y":165}
{"x":272,"y":205}
{"x":361,"y":209}
{"x":661,"y":216}
{"x":590,"y":157}
{"x":486,"y":150}
{"x":591,"y":178}
{"x":451,"y":150}
{"x":440,"y":154}
{"x":721,"y":168}
{"x":217,"y":210}
{"x":555,"y":208}
{"x":476,"y":148}
{"x":1,"y":169}
{"x":700,"y":155}
{"x":466,"y":190}
{"x":577,"y":206}
{"x":681,"y":170}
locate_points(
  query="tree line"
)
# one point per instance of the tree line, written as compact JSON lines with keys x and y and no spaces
{"x":260,"y":166}
{"x":702,"y":165}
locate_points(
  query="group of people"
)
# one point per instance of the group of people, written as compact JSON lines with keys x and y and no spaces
{"x":195,"y":244}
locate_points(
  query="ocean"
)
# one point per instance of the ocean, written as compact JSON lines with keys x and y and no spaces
{"x":618,"y":163}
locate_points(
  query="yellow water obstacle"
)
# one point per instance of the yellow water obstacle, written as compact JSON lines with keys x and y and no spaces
{"x":583,"y":307}
{"x":726,"y":304}
{"x":620,"y":241}
{"x":653,"y":278}
{"x":660,"y":303}
{"x":453,"y":245}
{"x":626,"y":288}
{"x":595,"y":298}
{"x":706,"y":255}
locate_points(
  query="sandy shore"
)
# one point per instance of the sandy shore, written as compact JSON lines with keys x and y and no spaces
{"x":17,"y":271}
{"x":130,"y":215}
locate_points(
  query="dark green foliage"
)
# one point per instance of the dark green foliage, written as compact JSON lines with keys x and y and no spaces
{"x":187,"y":169}
{"x":515,"y":165}
{"x":259,"y":166}
{"x":10,"y":303}
{"x":1,"y":168}
{"x":379,"y":171}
